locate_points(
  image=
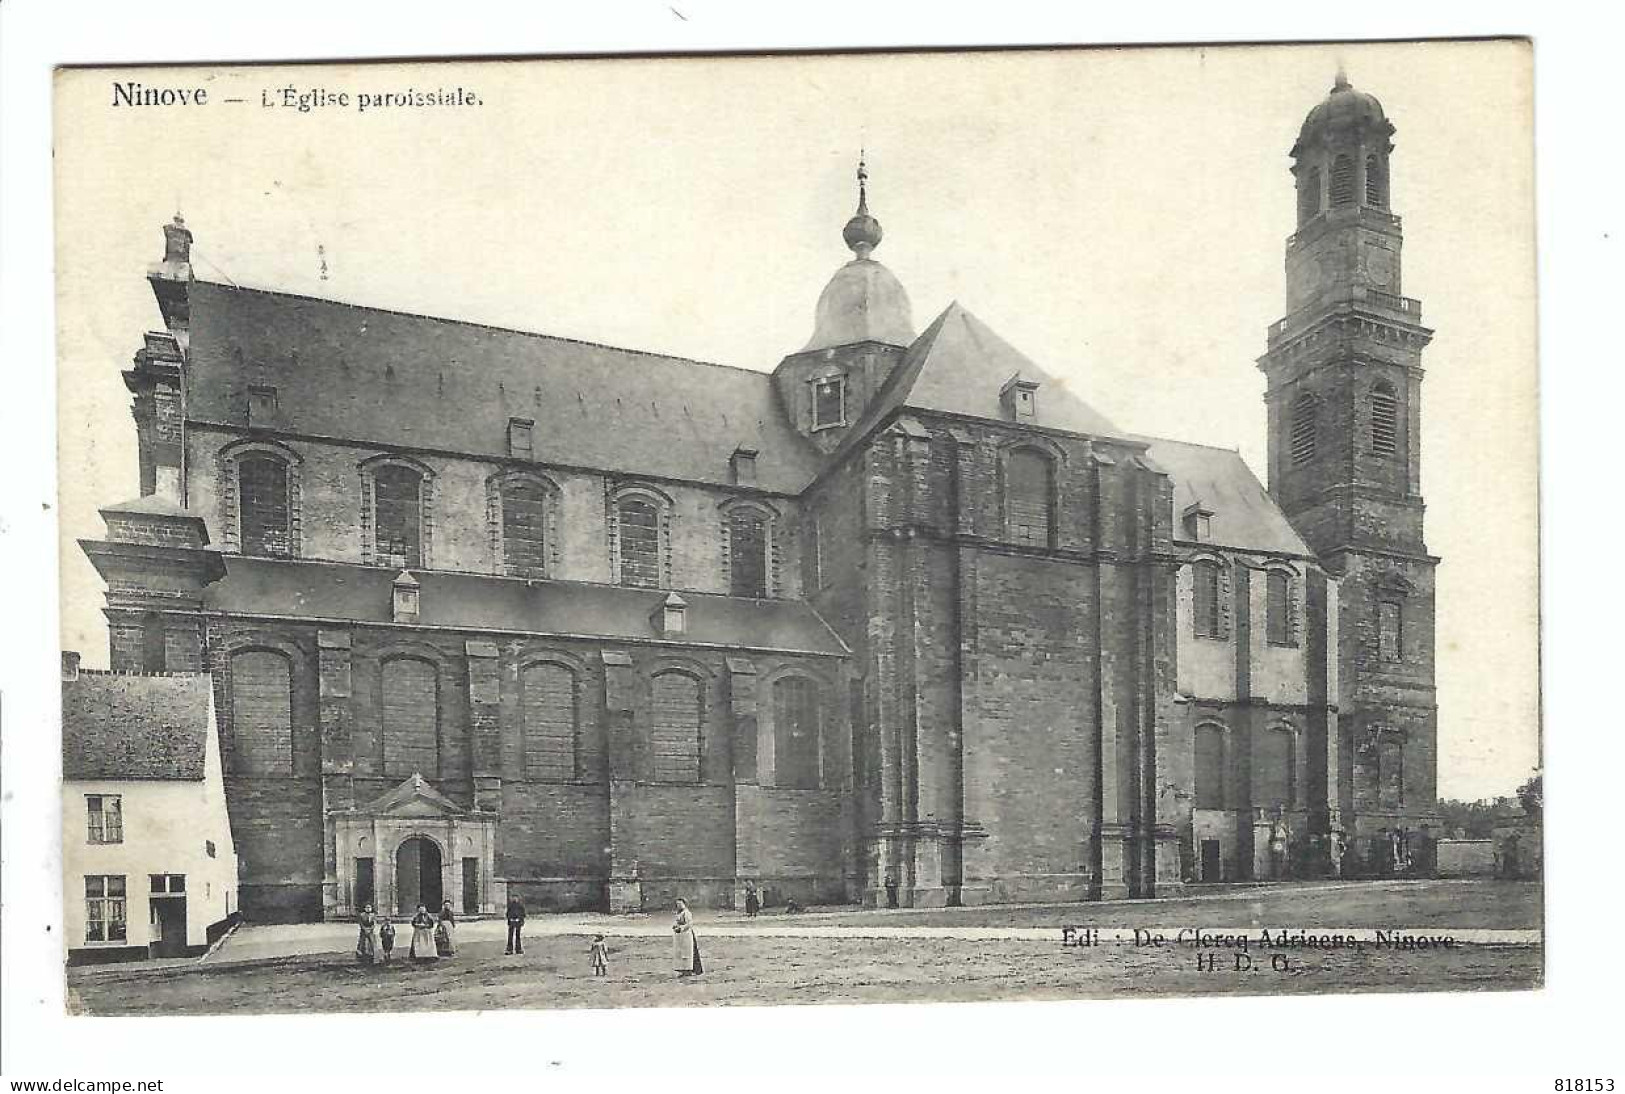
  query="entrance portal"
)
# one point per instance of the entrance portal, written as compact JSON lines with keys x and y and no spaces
{"x":417,"y":875}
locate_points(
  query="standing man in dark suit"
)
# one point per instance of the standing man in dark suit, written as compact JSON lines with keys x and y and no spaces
{"x":516,"y":922}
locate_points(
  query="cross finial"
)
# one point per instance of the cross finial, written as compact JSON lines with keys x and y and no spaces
{"x":863,"y":180}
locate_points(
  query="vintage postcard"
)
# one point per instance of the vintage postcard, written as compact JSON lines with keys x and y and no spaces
{"x":884,"y":527}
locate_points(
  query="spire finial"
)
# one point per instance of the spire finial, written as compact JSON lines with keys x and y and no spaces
{"x":863,"y":183}
{"x":1341,"y":83}
{"x":862,"y":233}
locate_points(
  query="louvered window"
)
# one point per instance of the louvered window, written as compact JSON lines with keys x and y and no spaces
{"x":1384,"y":420}
{"x":829,"y":402}
{"x":552,"y":723}
{"x":1376,"y":182}
{"x":674,"y":735}
{"x":262,"y":497}
{"x":1305,"y":421}
{"x":639,"y":525}
{"x":1342,"y":181}
{"x":1308,"y":195}
{"x":1028,"y":497}
{"x":398,"y":515}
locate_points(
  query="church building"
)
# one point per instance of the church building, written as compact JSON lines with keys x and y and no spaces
{"x":495,"y":613}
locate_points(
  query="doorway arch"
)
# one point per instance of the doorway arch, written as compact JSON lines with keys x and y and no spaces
{"x":418,"y":875}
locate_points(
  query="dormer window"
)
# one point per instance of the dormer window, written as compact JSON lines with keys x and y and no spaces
{"x":829,"y":402}
{"x":405,"y":607}
{"x":262,"y":405}
{"x":1018,"y":399}
{"x":519,"y":446}
{"x":671,"y":617}
{"x":1198,"y":521}
{"x":743,"y":466}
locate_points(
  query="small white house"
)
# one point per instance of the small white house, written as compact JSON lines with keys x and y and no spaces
{"x":149,"y":866}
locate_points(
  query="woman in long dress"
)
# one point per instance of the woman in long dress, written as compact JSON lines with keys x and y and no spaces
{"x":423,"y":936}
{"x":365,"y":945}
{"x":445,"y":932}
{"x":685,"y":947}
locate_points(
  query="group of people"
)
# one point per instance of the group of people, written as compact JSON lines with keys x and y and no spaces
{"x":433,"y":939}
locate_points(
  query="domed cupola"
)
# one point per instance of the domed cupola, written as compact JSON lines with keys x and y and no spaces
{"x":864,"y":301}
{"x":1341,"y":155}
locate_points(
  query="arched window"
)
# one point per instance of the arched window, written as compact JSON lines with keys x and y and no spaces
{"x":749,"y":531}
{"x":1210,"y":767}
{"x":525,"y":504}
{"x":1342,"y":181}
{"x":1029,"y":490}
{"x":398,"y":515}
{"x":1308,"y":196}
{"x":261,"y":713}
{"x":674,"y":731}
{"x":1275,"y":780}
{"x":1305,"y":427}
{"x":638,"y":539}
{"x":1206,"y":599}
{"x":1384,"y":419}
{"x":411,"y":717}
{"x":551,"y":709}
{"x":1376,"y":181}
{"x":795,"y":733}
{"x":1280,"y":623}
{"x":264,"y":513}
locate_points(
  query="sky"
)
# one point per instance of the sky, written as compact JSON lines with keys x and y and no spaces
{"x":1118,"y":215}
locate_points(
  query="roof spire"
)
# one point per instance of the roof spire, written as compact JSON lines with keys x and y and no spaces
{"x":1341,"y":83}
{"x":862,"y":233}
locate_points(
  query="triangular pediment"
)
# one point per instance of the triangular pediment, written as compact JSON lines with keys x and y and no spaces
{"x":416,"y":797}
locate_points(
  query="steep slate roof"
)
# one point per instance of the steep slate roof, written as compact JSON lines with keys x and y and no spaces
{"x":957,"y":365}
{"x":1244,"y":515}
{"x":390,"y":377}
{"x":477,"y":602}
{"x":118,"y":726}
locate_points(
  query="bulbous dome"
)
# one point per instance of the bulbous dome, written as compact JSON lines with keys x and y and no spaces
{"x":1344,"y":108}
{"x":863,"y":302}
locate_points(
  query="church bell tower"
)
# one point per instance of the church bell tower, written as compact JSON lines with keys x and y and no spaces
{"x":1344,"y":397}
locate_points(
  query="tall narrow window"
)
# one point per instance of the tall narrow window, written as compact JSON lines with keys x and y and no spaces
{"x":104,"y":908}
{"x":747,"y":553}
{"x":398,"y":515}
{"x":829,"y":402}
{"x":1390,"y":630}
{"x":812,"y":556}
{"x":1209,"y":767}
{"x":106,"y":818}
{"x":1384,"y":420}
{"x":1305,"y":427}
{"x":674,"y":736}
{"x":1205,"y":578}
{"x":1279,"y":608}
{"x":552,"y":722}
{"x":1390,"y":770}
{"x":1308,"y":196}
{"x":524,"y":527}
{"x":1376,"y":182}
{"x":1028,"y":504}
{"x":261,"y":713}
{"x":262,"y":499}
{"x":411,"y":717}
{"x":795,"y":733}
{"x":638,"y":520}
{"x":1342,"y":181}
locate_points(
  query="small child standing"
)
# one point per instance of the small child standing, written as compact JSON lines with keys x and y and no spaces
{"x":600,"y":956}
{"x":386,"y":937}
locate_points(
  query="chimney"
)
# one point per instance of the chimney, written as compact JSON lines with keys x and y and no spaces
{"x":177,"y":241}
{"x":70,"y":664}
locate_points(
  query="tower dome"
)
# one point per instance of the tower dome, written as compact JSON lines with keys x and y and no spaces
{"x":864,"y":301}
{"x":1344,"y":110}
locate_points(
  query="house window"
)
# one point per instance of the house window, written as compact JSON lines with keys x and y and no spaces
{"x":639,"y":537}
{"x":1342,"y":181}
{"x":1278,"y":609}
{"x":398,"y":515}
{"x":1305,"y":422}
{"x":1384,"y":420}
{"x":1029,"y":489}
{"x":1205,"y":580}
{"x":1309,"y":196}
{"x":106,"y":818}
{"x":104,"y":908}
{"x":747,"y":553}
{"x":829,"y":402}
{"x":411,"y":717}
{"x":262,"y":501}
{"x":525,"y":504}
{"x":208,"y":848}
{"x":1390,"y":630}
{"x":1376,"y":182}
{"x":167,"y":883}
{"x":552,"y":722}
{"x":1209,"y":767}
{"x":795,"y":733}
{"x":674,"y":735}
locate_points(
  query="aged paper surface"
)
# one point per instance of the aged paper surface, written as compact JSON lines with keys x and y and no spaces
{"x":879,"y":541}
